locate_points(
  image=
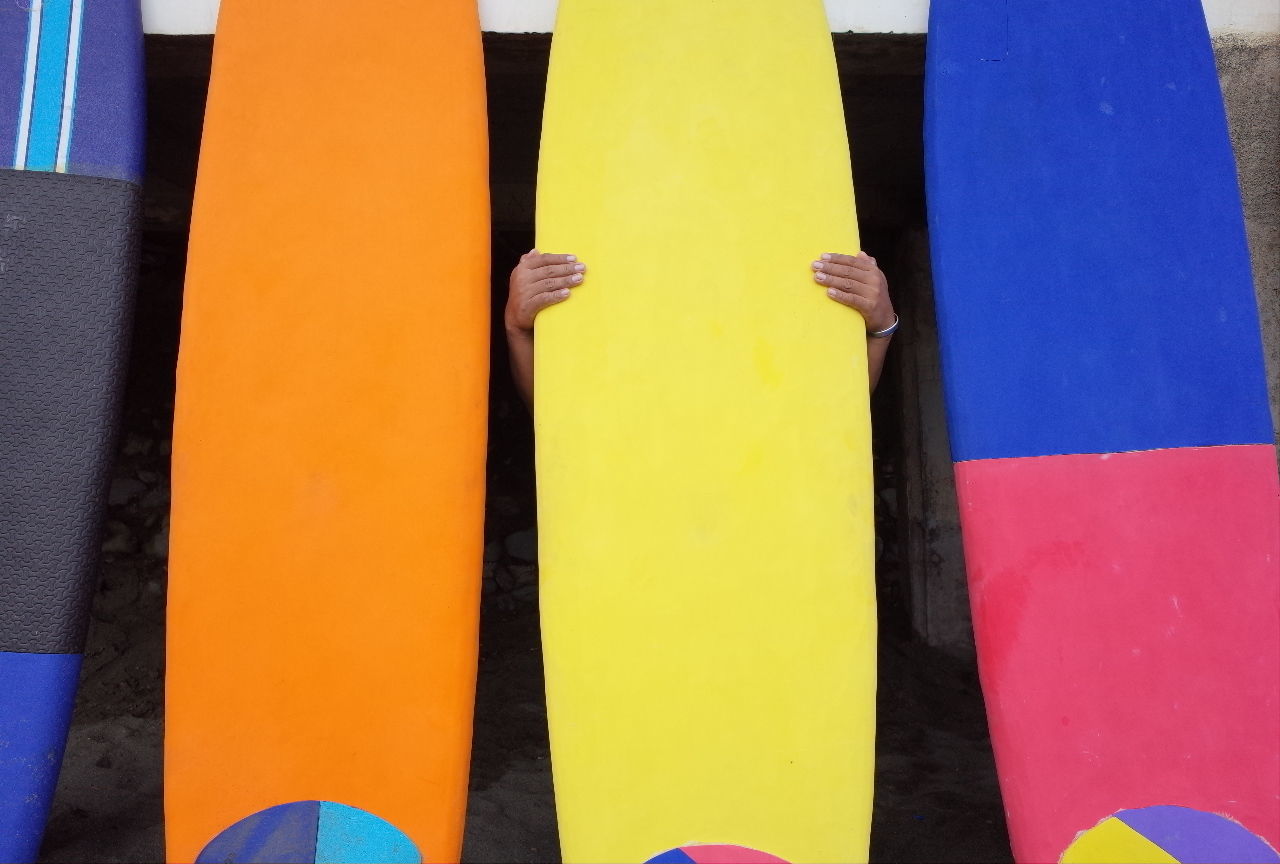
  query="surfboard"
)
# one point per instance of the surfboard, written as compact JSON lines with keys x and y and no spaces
{"x":1108,"y":417}
{"x":71,"y":135}
{"x":329,"y":441}
{"x":703,"y":448}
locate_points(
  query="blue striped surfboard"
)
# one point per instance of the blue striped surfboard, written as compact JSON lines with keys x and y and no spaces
{"x":71,"y":131}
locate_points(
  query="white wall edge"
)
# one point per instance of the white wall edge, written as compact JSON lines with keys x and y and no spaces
{"x":858,"y":16}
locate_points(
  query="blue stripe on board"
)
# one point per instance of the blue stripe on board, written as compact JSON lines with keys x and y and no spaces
{"x":284,"y":834}
{"x":37,"y":693}
{"x":1093,"y":282}
{"x":13,"y":51}
{"x":110,"y":95}
{"x":69,"y":88}
{"x":51,"y":71}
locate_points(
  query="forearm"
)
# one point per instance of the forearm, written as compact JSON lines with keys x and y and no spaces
{"x":520,"y":350}
{"x":876,"y":351}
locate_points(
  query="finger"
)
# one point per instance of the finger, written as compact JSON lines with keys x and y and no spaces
{"x":534,"y":259}
{"x":544,"y":286}
{"x":862,"y":260}
{"x":848,"y":298}
{"x":846,"y":271}
{"x":554,"y":271}
{"x":535,"y":304}
{"x":868,"y":290}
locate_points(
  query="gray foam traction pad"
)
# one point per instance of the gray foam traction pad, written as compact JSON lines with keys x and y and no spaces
{"x":68,"y":261}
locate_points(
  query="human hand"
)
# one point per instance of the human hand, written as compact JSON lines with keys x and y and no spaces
{"x":855,"y":281}
{"x":539,"y":280}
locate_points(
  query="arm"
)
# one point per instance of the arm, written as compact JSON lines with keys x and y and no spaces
{"x":855,"y":281}
{"x":538,"y":281}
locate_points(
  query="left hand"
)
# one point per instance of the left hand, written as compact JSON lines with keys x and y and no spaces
{"x":855,"y":281}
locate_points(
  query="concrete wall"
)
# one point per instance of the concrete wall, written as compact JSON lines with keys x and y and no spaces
{"x":857,"y":16}
{"x":1249,"y":68}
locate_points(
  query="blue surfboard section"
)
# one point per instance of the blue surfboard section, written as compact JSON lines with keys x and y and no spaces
{"x":70,"y":97}
{"x":1093,"y":281}
{"x":14,"y":23}
{"x":37,"y":692}
{"x":110,"y":110}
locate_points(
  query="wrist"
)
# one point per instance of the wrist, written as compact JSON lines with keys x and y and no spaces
{"x":515,"y":331}
{"x":885,"y":329}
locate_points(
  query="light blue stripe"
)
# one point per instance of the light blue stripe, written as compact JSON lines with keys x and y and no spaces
{"x":69,"y":94}
{"x":347,"y":835}
{"x":51,"y":71}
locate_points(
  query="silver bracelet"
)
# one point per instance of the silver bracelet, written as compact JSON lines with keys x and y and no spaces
{"x":886,"y":332}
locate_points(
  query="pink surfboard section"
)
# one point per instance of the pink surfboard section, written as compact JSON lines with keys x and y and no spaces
{"x":1127,"y":613}
{"x":728,"y":854}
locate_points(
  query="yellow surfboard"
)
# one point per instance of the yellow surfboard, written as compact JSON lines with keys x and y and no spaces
{"x":704,"y":459}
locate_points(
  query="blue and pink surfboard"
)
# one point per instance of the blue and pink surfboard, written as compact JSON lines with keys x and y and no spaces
{"x":71,"y":132}
{"x":1108,"y":414}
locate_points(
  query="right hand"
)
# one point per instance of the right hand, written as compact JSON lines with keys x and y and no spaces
{"x":539,"y":280}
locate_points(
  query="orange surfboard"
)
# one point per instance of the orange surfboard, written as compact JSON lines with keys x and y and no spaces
{"x":329,"y":442}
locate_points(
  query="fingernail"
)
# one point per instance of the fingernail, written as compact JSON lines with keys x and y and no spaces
{"x":579,"y":267}
{"x":821,"y":277}
{"x":826,"y":256}
{"x":563,"y":292}
{"x":831,"y":292}
{"x":573,"y":258}
{"x":533,"y":251}
{"x":575,"y":278}
{"x":817,"y":265}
